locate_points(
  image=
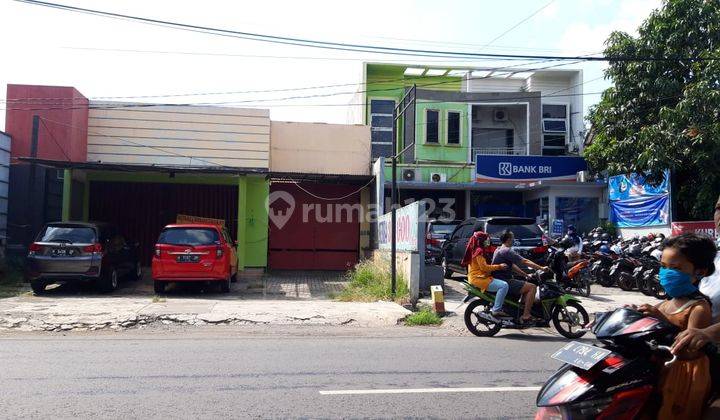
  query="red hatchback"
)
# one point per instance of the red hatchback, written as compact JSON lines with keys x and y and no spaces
{"x":191,"y":252}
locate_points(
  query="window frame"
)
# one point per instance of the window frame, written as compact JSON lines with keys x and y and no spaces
{"x":563,"y":148}
{"x":380,"y":128}
{"x":447,"y":128}
{"x":437,"y":139}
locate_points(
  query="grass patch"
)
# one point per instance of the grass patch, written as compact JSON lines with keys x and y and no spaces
{"x":369,"y":281}
{"x":424,"y":316}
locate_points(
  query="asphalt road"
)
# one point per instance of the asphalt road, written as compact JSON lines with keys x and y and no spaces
{"x":221,"y":374}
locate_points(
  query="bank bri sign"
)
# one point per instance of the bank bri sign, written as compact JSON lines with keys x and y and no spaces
{"x":524,"y":169}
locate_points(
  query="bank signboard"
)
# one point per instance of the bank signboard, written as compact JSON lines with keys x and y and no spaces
{"x":526,"y":169}
{"x":408,"y":227}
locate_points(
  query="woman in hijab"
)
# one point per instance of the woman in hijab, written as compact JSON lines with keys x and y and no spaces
{"x":480,"y":272}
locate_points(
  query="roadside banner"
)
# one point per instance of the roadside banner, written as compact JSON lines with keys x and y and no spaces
{"x":706,"y":227}
{"x":639,"y":212}
{"x":185,"y":218}
{"x":527,"y":169}
{"x":623,"y":187}
{"x":407,"y":228}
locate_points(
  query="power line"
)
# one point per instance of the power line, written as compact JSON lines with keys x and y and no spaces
{"x":339,"y":46}
{"x":519,"y":23}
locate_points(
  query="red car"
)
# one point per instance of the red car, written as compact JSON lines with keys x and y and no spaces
{"x":192,"y":252}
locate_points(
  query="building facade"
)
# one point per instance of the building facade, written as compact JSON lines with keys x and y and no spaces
{"x":462,"y":115}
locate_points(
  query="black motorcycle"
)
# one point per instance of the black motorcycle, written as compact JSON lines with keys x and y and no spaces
{"x":615,"y":381}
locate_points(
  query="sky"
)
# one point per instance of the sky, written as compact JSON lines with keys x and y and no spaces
{"x":129,"y":61}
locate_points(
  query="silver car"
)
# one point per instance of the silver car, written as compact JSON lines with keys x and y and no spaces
{"x":81,"y":252}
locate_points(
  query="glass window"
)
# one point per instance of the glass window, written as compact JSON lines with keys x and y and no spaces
{"x":583,"y":212}
{"x":453,"y":120}
{"x":380,"y":106}
{"x":554,"y":141}
{"x":68,"y":234}
{"x":189,"y":236}
{"x":555,"y":126}
{"x":381,"y":136}
{"x":381,"y":121}
{"x":520,"y":231}
{"x":432,"y":126}
{"x":554,"y":111}
{"x":553,"y":152}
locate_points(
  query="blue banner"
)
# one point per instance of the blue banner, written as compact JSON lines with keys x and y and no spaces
{"x":492,"y":168}
{"x":639,"y":212}
{"x":623,"y":187}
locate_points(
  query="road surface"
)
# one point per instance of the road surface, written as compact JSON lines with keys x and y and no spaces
{"x":220,"y":373}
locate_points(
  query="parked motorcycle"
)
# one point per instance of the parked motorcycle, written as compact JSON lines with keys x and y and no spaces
{"x":616,"y":380}
{"x":553,"y":305}
{"x":576,"y":278}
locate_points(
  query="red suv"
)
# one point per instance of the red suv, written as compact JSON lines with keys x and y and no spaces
{"x":191,"y":252}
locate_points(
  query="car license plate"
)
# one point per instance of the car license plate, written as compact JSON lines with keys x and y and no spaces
{"x":188,"y":258}
{"x":581,"y":355}
{"x":59,"y":252}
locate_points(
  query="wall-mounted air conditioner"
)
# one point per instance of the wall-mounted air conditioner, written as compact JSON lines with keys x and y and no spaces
{"x":410,"y":175}
{"x":500,"y":115}
{"x":438,"y":177}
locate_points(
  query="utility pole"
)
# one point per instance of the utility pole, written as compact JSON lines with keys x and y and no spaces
{"x":31,"y":216}
{"x":407,"y":100}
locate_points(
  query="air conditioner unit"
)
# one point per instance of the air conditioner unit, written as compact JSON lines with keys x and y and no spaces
{"x":500,"y":115}
{"x":438,"y":177}
{"x":410,"y":175}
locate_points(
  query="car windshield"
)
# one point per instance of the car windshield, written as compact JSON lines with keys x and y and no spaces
{"x":68,"y":234}
{"x":521,"y":231}
{"x":189,"y":236}
{"x":446,"y":229}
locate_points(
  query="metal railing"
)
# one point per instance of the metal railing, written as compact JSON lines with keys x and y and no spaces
{"x":501,"y":151}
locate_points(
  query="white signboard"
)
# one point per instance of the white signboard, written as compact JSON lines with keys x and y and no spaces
{"x":407,"y":228}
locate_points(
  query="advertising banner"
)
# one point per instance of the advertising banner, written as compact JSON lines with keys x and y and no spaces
{"x":708,"y":228}
{"x":407,"y":228}
{"x":640,"y":212}
{"x":526,"y":169}
{"x":623,"y":187}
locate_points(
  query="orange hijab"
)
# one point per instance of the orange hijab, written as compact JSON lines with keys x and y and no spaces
{"x":475,"y":247}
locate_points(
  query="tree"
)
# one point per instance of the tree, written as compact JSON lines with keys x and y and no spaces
{"x":665,"y":113}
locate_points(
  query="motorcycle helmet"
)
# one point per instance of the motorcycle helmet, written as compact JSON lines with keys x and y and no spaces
{"x":571,"y":229}
{"x":634,"y":249}
{"x":566,"y":242}
{"x":657,"y":254}
{"x":617,"y":249}
{"x":644,"y":239}
{"x":604,"y":249}
{"x":651,"y":237}
{"x":605,"y":237}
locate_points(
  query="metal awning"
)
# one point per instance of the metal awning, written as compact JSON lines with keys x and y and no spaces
{"x":222,"y":170}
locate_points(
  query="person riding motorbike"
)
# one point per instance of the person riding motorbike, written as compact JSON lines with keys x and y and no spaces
{"x":573,"y":252}
{"x":504,"y":254}
{"x":480,"y":272}
{"x":685,"y":384}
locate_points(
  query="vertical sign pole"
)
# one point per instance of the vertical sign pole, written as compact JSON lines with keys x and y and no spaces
{"x":393,"y":208}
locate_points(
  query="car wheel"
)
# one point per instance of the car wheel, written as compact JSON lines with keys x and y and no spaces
{"x":447,"y":272}
{"x":108,"y":282}
{"x":38,"y":286}
{"x":225,"y":285}
{"x":137,"y":272}
{"x":159,"y":286}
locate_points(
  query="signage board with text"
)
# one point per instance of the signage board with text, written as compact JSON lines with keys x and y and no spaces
{"x":527,"y":169}
{"x":408,"y":226}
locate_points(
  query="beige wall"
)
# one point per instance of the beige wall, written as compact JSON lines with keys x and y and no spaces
{"x":319,"y":148}
{"x":179,"y":135}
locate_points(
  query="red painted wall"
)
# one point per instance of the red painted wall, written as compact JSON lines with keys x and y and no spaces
{"x":63,"y":125}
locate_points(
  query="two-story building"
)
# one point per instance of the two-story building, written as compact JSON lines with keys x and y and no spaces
{"x":482,"y":142}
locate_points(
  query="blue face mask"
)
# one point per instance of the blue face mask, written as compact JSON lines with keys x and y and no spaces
{"x":676,"y":283}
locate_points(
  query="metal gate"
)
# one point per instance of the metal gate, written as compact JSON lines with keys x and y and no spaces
{"x":313,"y":226}
{"x":141,"y":209}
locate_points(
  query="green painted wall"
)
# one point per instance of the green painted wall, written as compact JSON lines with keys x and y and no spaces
{"x":441,"y":151}
{"x":256,"y":222}
{"x":455,"y":173}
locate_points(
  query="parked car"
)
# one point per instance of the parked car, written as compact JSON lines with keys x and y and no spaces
{"x":437,"y":233}
{"x":81,"y":252}
{"x":528,"y":240}
{"x":192,"y":252}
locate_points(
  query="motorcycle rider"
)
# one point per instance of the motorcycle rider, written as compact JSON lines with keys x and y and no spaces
{"x":685,"y":384}
{"x":577,"y":244}
{"x":504,"y":254}
{"x":480,"y":272}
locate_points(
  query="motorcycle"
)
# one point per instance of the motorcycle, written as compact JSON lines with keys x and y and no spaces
{"x":615,"y":381}
{"x":552,"y":305}
{"x":576,"y":278}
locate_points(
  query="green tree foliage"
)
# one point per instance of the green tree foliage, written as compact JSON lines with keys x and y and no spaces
{"x":665,"y":113}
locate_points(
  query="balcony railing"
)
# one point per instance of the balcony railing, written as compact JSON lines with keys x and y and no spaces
{"x":501,"y":151}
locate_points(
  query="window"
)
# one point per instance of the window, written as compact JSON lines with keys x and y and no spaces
{"x":553,"y":144}
{"x":189,"y":236}
{"x":554,"y":126}
{"x":453,"y":134}
{"x":67,"y":234}
{"x":554,"y":111}
{"x":432,"y":126}
{"x":381,"y":121}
